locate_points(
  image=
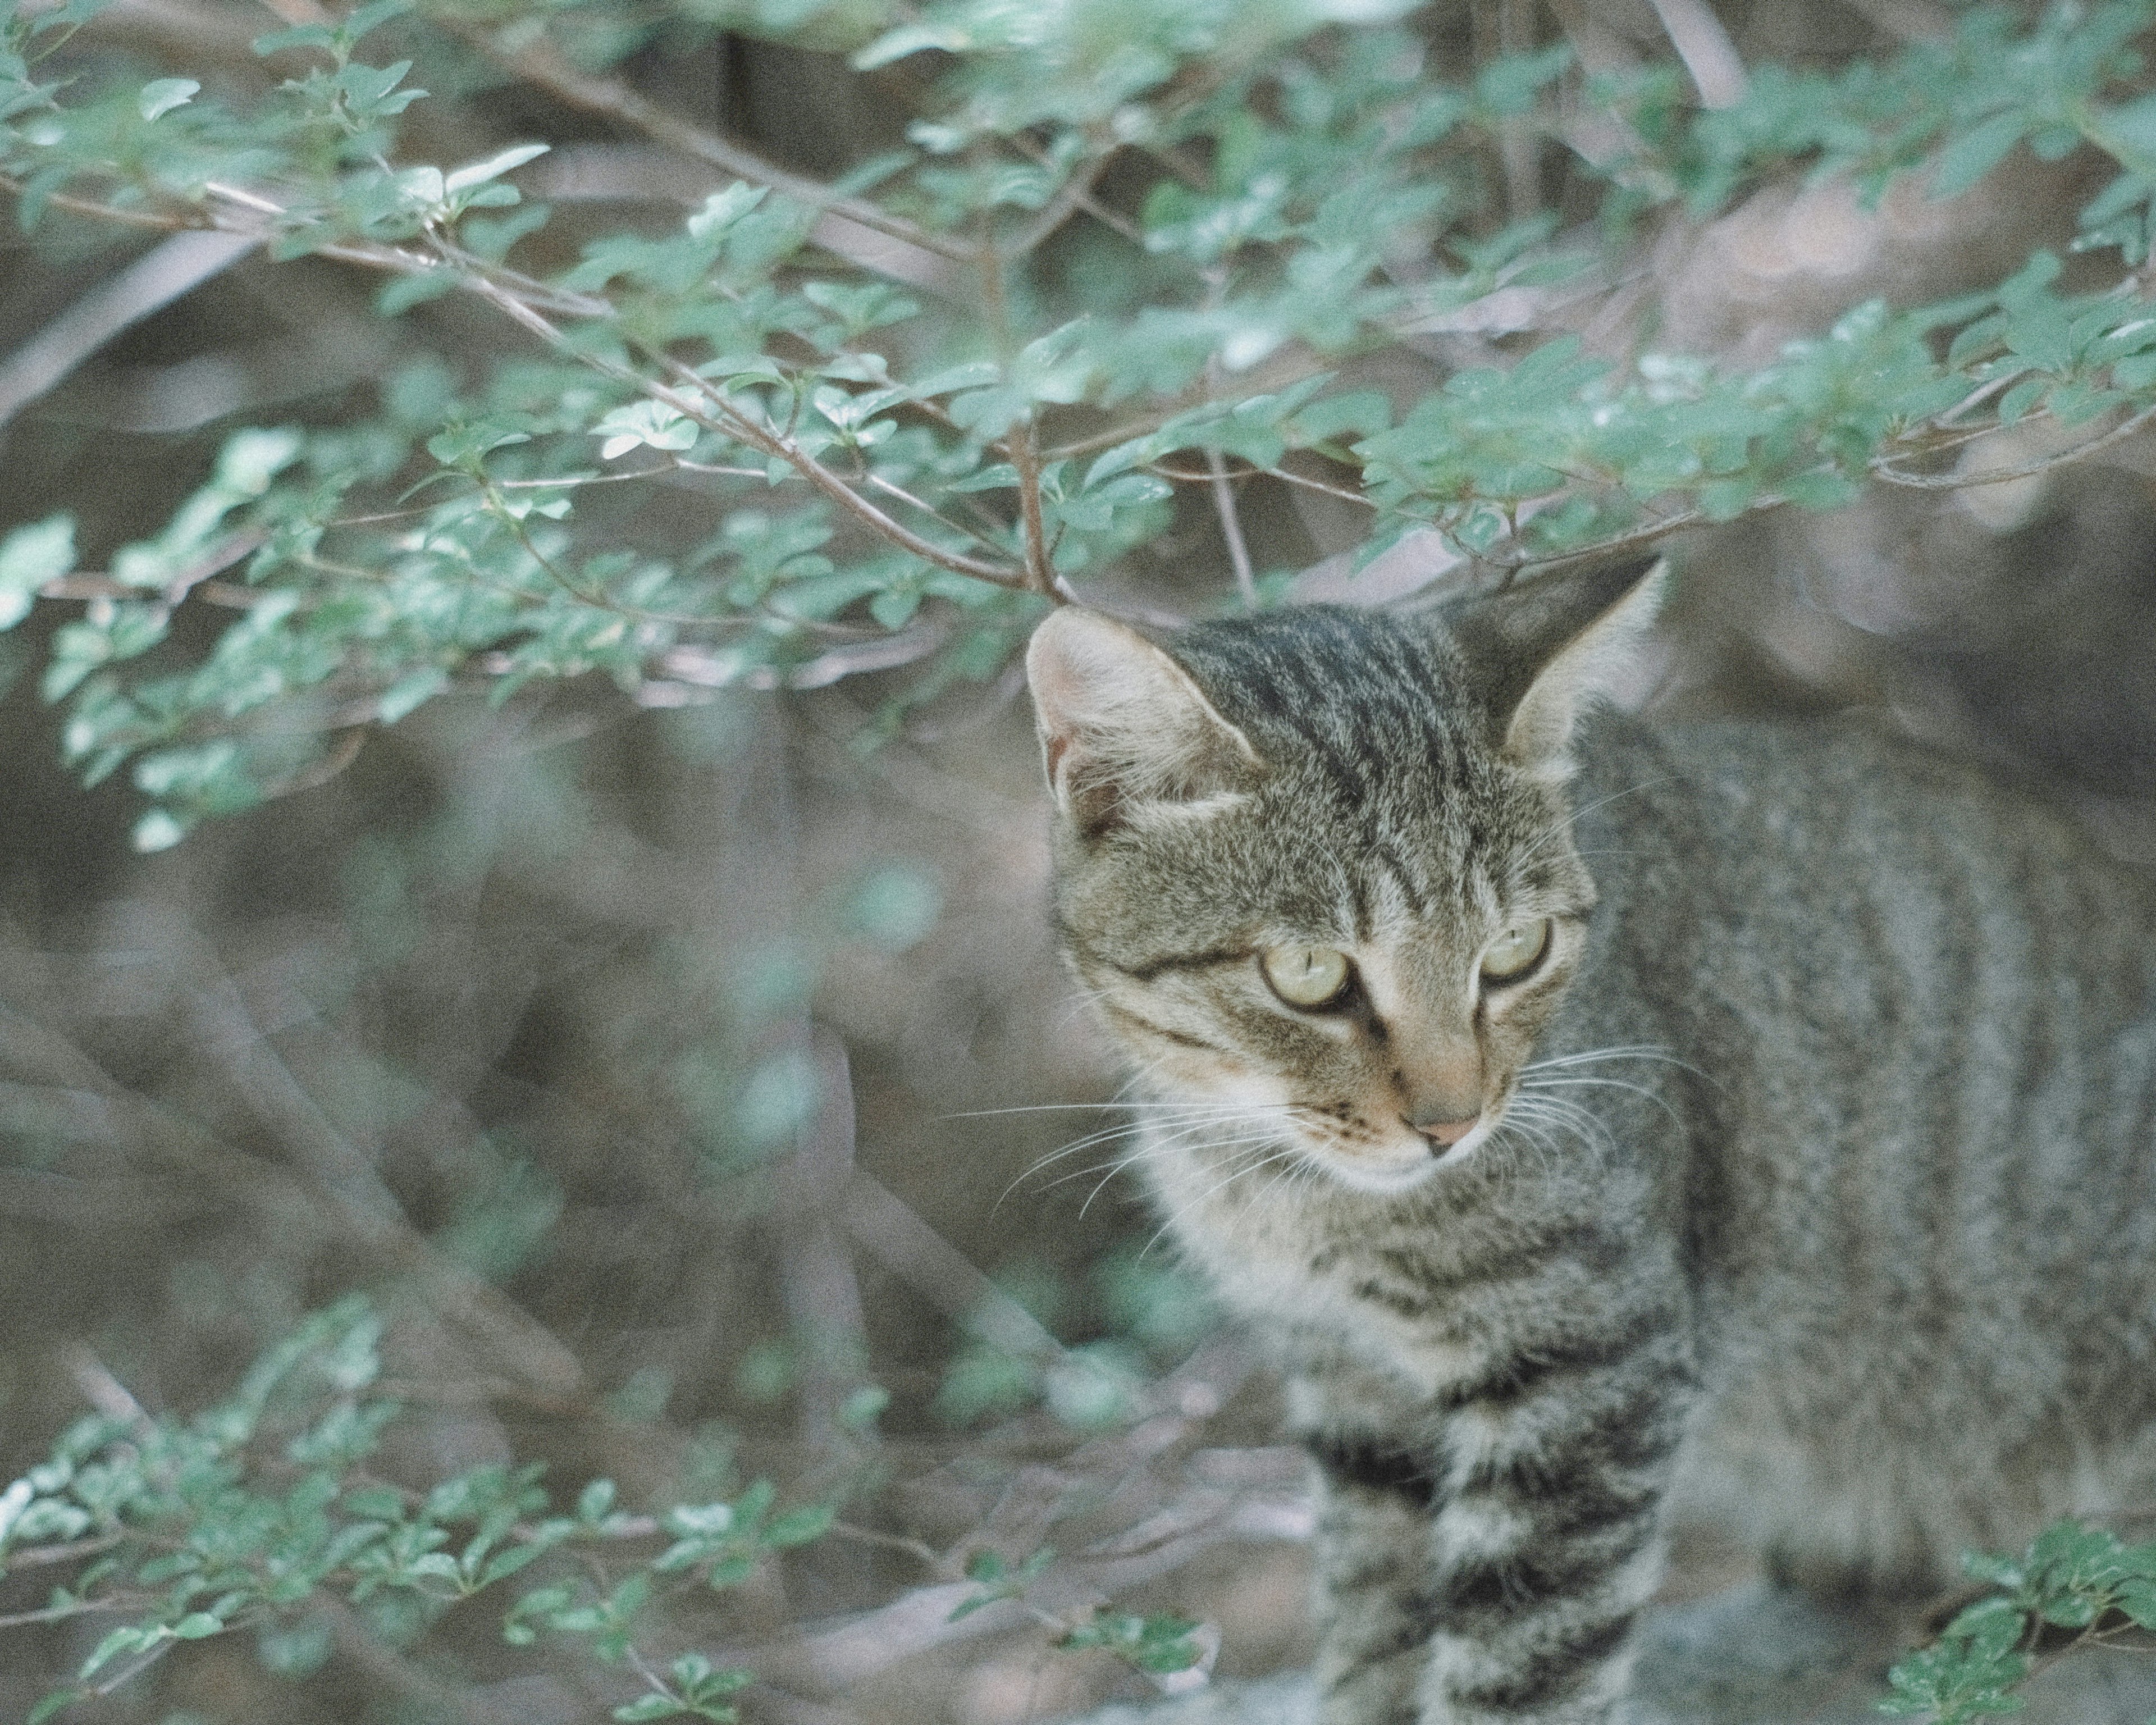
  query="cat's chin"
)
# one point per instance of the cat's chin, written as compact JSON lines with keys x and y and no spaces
{"x":1390,"y":1179}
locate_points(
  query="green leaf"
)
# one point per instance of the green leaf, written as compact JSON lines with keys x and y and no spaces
{"x":128,"y":1638}
{"x":2130,"y":132}
{"x":1971,"y":155}
{"x":478,"y":173}
{"x":29,"y":557}
{"x":409,"y":692}
{"x":799,"y":1527}
{"x":162,"y":94}
{"x":158,"y":829}
{"x":651,"y":1707}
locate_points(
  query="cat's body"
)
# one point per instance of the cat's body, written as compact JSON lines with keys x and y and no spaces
{"x":1854,"y":1234}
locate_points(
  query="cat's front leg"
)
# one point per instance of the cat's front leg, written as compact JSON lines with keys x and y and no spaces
{"x":1376,"y":1591}
{"x":1547,"y":1542}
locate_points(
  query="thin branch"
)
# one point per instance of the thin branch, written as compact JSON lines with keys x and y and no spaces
{"x":150,"y":283}
{"x":1960,"y":481}
{"x":1286,"y":475}
{"x":543,"y":64}
{"x":933,"y":1558}
{"x":1025,"y":457}
{"x":57,"y":1613}
{"x":1022,"y":442}
{"x":1308,"y":484}
{"x":1076,"y":194}
{"x":723,"y":418}
{"x":1231,"y":529}
{"x":928,"y":509}
{"x":110,"y":212}
{"x":1265,"y":379}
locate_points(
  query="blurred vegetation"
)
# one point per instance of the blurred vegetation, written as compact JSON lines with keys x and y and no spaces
{"x":516,"y":521}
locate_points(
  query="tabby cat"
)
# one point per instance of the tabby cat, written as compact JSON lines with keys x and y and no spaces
{"x":1608,"y":1121}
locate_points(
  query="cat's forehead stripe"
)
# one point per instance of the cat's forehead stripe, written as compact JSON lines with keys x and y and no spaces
{"x":1360,"y":692}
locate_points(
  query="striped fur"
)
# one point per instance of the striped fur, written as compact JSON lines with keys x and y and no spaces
{"x":1814,"y":1181}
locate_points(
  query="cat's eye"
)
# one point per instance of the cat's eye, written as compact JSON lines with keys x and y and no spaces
{"x":1305,"y":975}
{"x":1515,"y":952}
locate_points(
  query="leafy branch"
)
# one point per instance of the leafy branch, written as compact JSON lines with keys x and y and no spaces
{"x":2074,"y":1587}
{"x":1293,"y":199}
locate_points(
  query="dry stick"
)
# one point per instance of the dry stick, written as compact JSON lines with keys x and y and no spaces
{"x":823,"y":1296}
{"x":895,"y":1235}
{"x":831,"y":1659}
{"x":1705,"y":49}
{"x":1516,"y":138}
{"x":1025,"y":457}
{"x":1076,"y":194}
{"x":295,"y":1205}
{"x":147,"y":285}
{"x":1264,"y":379}
{"x":111,"y":213}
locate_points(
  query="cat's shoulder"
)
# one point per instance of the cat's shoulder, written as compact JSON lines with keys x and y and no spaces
{"x":1846,"y":782}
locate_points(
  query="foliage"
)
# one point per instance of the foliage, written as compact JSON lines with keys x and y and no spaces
{"x":1124,"y":250}
{"x":2072,"y":1577}
{"x":264,"y":1514}
{"x":1128,"y":268}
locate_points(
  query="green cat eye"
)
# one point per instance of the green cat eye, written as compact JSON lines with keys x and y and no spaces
{"x":1305,"y":975}
{"x":1515,"y":952}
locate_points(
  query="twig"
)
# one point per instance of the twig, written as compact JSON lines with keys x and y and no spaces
{"x":823,"y":1294}
{"x":1882,"y":464}
{"x":926,"y":508}
{"x":544,"y":65}
{"x":1021,"y":443}
{"x":1025,"y":457}
{"x":58,"y":1613}
{"x":102,"y":1389}
{"x":921,"y":1258}
{"x":1231,"y":529}
{"x":1075,"y":193}
{"x":111,"y":213}
{"x":927,"y":1553}
{"x":723,"y":418}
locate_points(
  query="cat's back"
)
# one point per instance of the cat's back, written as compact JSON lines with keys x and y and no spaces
{"x":1830,"y":877}
{"x":1918,"y":1008}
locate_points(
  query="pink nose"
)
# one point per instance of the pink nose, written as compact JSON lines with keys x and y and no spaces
{"x":1447,"y":1132}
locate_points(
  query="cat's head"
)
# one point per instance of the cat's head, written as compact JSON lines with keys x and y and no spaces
{"x":1316,"y":864}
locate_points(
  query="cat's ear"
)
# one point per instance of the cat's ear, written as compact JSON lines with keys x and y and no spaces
{"x":1540,"y":657}
{"x":1122,"y":724}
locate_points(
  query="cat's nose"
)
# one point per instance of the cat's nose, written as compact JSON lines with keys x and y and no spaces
{"x":1447,"y":1132}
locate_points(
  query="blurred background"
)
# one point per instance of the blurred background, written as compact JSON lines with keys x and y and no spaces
{"x":689,"y":1084}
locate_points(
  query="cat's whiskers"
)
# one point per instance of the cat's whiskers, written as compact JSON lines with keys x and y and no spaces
{"x":1183,"y":1118}
{"x":1289,"y":1153}
{"x":1197,"y":1128}
{"x":1562,"y":1118}
{"x":1649,"y":1051}
{"x":1560,"y":1111}
{"x":1533,"y":1135}
{"x":1544,"y":1085}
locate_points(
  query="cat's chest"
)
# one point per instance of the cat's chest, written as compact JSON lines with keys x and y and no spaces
{"x":1315,"y":1295}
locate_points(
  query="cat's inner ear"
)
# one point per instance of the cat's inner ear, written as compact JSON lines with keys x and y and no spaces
{"x":1539,"y":657}
{"x":1123,"y":725}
